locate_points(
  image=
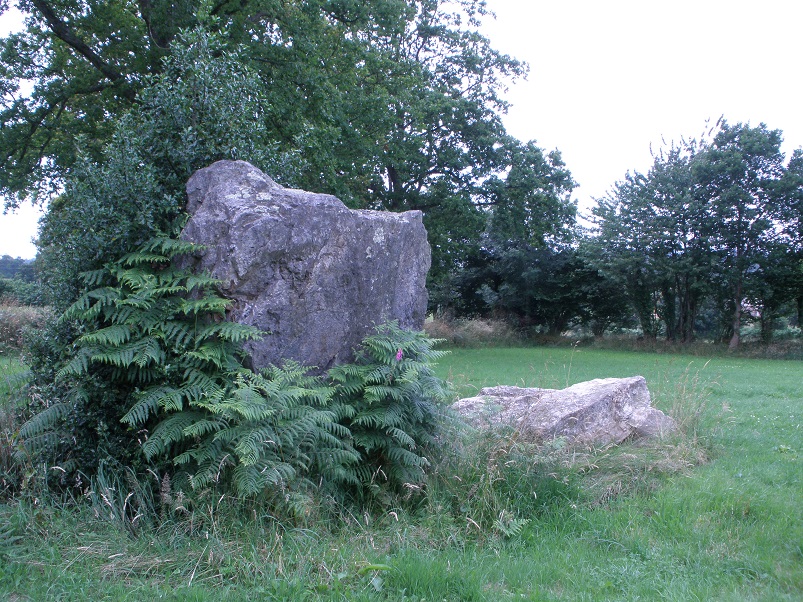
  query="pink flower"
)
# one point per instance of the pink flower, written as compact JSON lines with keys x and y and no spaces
{"x":399,"y":355}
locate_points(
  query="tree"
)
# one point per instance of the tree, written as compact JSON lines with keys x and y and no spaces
{"x":542,"y":287}
{"x":657,"y":231}
{"x":389,"y":105}
{"x":740,"y":175}
{"x":528,"y":222}
{"x":712,"y":220}
{"x":203,"y":107}
{"x":11,"y":267}
{"x":621,"y":252}
{"x":532,"y":205}
{"x":792,"y":235}
{"x":87,"y":61}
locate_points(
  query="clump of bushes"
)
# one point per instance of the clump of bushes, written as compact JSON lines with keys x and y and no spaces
{"x":16,"y":320}
{"x":20,"y":292}
{"x":142,"y":371}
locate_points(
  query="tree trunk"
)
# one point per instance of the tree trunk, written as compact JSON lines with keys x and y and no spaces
{"x":670,"y":312}
{"x":737,"y":318}
{"x":767,"y":325}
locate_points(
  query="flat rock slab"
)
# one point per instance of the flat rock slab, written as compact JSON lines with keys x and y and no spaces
{"x":313,"y":274}
{"x":598,"y":412}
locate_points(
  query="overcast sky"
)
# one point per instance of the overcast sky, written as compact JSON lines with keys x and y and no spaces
{"x":610,"y":78}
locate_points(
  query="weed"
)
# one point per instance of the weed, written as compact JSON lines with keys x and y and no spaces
{"x":491,"y":483}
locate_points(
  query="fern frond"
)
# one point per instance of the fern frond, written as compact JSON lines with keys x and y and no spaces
{"x":402,"y":438}
{"x":233,"y":332}
{"x":35,"y":445}
{"x":171,"y":247}
{"x":116,"y":334}
{"x":210,"y":305}
{"x":148,"y":404}
{"x":251,"y":447}
{"x":78,"y":365}
{"x":202,"y":281}
{"x":45,"y":420}
{"x":93,"y":278}
{"x":202,"y":428}
{"x":406,"y":458}
{"x":169,"y":432}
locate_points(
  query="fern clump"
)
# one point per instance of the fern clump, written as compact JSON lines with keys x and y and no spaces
{"x":155,"y":379}
{"x":151,"y":339}
{"x":390,"y":401}
{"x":263,"y":435}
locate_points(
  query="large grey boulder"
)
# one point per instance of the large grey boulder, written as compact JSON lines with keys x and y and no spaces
{"x":303,"y":267}
{"x":597,"y":412}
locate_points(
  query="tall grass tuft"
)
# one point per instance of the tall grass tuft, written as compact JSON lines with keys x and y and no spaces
{"x":492,"y":483}
{"x":640,"y":467}
{"x":13,"y":378}
{"x":119,"y":496}
{"x":685,"y":399}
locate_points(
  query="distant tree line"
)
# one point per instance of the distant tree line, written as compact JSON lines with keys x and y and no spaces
{"x":16,"y":267}
{"x":708,"y":238}
{"x":18,"y":282}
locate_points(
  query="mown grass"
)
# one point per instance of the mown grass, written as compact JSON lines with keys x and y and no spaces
{"x":713,"y":515}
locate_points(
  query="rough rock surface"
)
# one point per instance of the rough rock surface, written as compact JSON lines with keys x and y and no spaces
{"x":597,"y":412}
{"x":303,"y":267}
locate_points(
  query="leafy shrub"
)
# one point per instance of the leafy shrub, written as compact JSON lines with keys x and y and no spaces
{"x":143,"y":359}
{"x":260,"y":435}
{"x":203,"y":106}
{"x":20,"y":292}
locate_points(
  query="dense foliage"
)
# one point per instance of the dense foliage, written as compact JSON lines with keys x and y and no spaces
{"x":18,"y":281}
{"x":389,"y":105}
{"x":151,"y":339}
{"x":200,"y":109}
{"x":391,"y":402}
{"x":16,"y":267}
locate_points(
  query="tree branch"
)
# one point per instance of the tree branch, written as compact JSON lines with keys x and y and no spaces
{"x":66,"y":35}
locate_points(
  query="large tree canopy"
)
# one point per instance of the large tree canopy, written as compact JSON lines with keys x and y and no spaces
{"x":384,"y":98}
{"x":387,"y":104}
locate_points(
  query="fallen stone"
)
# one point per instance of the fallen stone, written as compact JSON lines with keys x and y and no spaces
{"x":313,"y":274}
{"x":597,"y":413}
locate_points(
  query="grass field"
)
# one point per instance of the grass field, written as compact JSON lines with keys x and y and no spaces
{"x":717,"y":515}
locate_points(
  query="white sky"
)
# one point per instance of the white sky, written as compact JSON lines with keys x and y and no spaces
{"x":609,"y":78}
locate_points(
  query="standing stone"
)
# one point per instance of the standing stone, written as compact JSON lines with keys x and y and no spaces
{"x":313,"y":274}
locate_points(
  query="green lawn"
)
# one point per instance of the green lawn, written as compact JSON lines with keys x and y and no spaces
{"x":625,"y":527}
